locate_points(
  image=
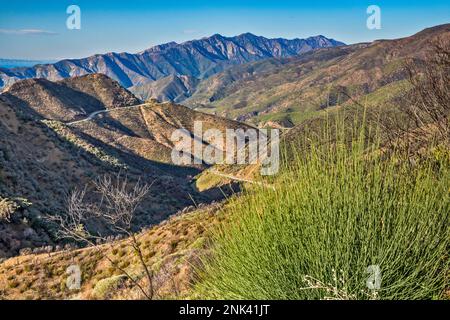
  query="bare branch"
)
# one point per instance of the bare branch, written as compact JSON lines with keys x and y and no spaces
{"x":116,"y":209}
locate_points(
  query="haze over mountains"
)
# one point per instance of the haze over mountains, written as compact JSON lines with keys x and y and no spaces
{"x":197,"y":59}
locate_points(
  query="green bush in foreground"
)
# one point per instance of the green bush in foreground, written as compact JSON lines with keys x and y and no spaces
{"x":336,"y":211}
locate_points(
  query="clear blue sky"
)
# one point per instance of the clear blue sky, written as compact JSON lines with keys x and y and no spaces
{"x":135,"y":25}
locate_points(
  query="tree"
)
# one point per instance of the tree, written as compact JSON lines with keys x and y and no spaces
{"x":116,"y":210}
{"x":430,"y":81}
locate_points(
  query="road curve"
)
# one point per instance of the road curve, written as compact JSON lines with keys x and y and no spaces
{"x":96,"y":113}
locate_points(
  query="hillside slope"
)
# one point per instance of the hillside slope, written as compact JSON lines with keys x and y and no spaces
{"x":198,"y":58}
{"x":171,"y":250}
{"x":146,"y":131}
{"x":288,"y":91}
{"x":36,"y":171}
{"x":69,"y":99}
{"x":43,"y":158}
{"x":171,"y":88}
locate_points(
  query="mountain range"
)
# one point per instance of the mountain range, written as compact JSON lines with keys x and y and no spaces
{"x":57,"y":136}
{"x":198,"y":59}
{"x":65,"y":124}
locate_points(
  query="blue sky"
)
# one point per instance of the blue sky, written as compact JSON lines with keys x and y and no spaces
{"x":37,"y":29}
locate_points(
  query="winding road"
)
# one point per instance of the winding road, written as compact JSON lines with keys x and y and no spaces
{"x":96,"y":113}
{"x":215,"y":172}
{"x":262,"y":184}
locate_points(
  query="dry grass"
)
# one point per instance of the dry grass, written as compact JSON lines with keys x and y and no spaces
{"x":170,"y":249}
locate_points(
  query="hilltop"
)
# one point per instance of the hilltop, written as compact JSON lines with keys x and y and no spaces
{"x":171,"y":249}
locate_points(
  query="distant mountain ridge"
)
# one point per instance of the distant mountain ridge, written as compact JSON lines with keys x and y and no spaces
{"x":17,"y":63}
{"x":197,"y":58}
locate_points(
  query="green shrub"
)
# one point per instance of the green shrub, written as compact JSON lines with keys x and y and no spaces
{"x":336,"y":210}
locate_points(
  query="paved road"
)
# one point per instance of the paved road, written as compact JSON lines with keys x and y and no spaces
{"x":96,"y":113}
